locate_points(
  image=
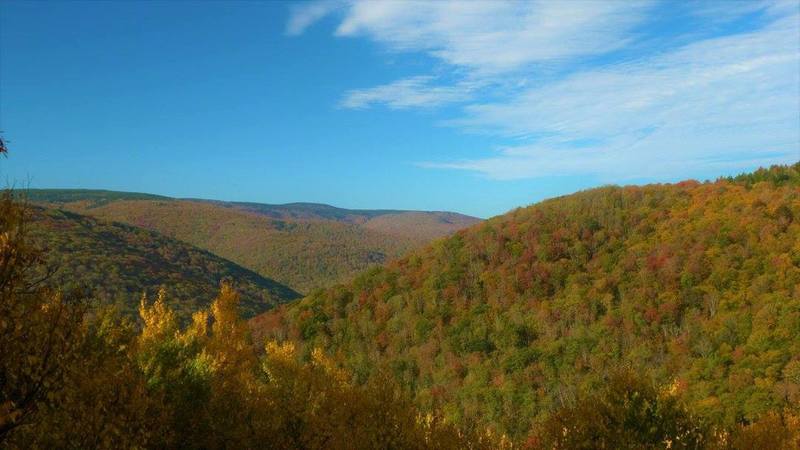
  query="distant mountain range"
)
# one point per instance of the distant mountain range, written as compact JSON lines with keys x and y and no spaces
{"x":302,"y":245}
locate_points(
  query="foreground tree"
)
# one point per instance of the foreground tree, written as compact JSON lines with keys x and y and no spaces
{"x":40,"y":329}
{"x":103,"y":401}
{"x":627,"y":413}
{"x":776,"y":429}
{"x":219,"y":393}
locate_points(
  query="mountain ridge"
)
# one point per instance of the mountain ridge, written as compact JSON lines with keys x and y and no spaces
{"x":66,"y":195}
{"x":693,"y":285}
{"x":302,"y":248}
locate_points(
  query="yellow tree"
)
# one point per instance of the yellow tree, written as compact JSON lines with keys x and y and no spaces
{"x":205,"y":373}
{"x":40,"y":329}
{"x":104,"y":400}
{"x":237,"y":408}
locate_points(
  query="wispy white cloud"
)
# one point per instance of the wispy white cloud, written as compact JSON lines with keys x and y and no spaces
{"x":413,"y":92}
{"x":722,"y":102}
{"x":303,"y":15}
{"x":724,"y":11}
{"x":712,"y":103}
{"x":496,"y":36}
{"x":486,"y":39}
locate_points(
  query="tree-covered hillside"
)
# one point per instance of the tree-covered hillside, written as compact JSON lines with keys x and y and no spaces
{"x":119,"y":262}
{"x":419,"y":227}
{"x":695,"y":286}
{"x":301,"y":245}
{"x":74,"y":374}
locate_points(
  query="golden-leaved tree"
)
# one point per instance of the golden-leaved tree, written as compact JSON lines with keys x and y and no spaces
{"x":219,"y":393}
{"x":40,"y":329}
{"x":67,"y":377}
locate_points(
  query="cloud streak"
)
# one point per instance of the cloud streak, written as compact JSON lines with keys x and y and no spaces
{"x":304,"y":15}
{"x":719,"y":102}
{"x":413,"y":92}
{"x":539,"y":74}
{"x":496,"y":36}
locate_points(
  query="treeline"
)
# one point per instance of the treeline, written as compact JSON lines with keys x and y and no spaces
{"x":695,"y":286}
{"x":775,"y":175}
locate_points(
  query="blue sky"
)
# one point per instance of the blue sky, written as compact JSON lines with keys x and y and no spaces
{"x":475,"y":107}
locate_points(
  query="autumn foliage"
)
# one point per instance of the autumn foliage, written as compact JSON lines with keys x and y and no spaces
{"x":75,"y":377}
{"x":40,"y":329}
{"x":304,"y":246}
{"x":692,"y":285}
{"x":119,"y":262}
{"x":638,"y":317}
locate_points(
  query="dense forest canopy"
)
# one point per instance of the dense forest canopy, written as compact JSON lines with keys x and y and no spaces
{"x":662,"y":316}
{"x":117,"y":263}
{"x":70,"y":379}
{"x":695,"y":285}
{"x":303,"y":246}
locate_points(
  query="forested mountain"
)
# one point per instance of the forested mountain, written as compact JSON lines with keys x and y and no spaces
{"x":301,"y":245}
{"x":694,"y":286}
{"x":118,"y":263}
{"x":414,"y":225}
{"x":663,"y":316}
{"x":74,"y":374}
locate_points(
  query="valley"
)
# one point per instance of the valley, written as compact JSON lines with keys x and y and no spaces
{"x":305,"y":246}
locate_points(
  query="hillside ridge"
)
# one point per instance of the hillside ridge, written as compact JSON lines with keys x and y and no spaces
{"x":694,"y":285}
{"x":324,"y":210}
{"x":300,"y":248}
{"x":118,"y":262}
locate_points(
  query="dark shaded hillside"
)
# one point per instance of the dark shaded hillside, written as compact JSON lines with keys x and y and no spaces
{"x":696,"y":286}
{"x":302,"y":245}
{"x":118,"y":262}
